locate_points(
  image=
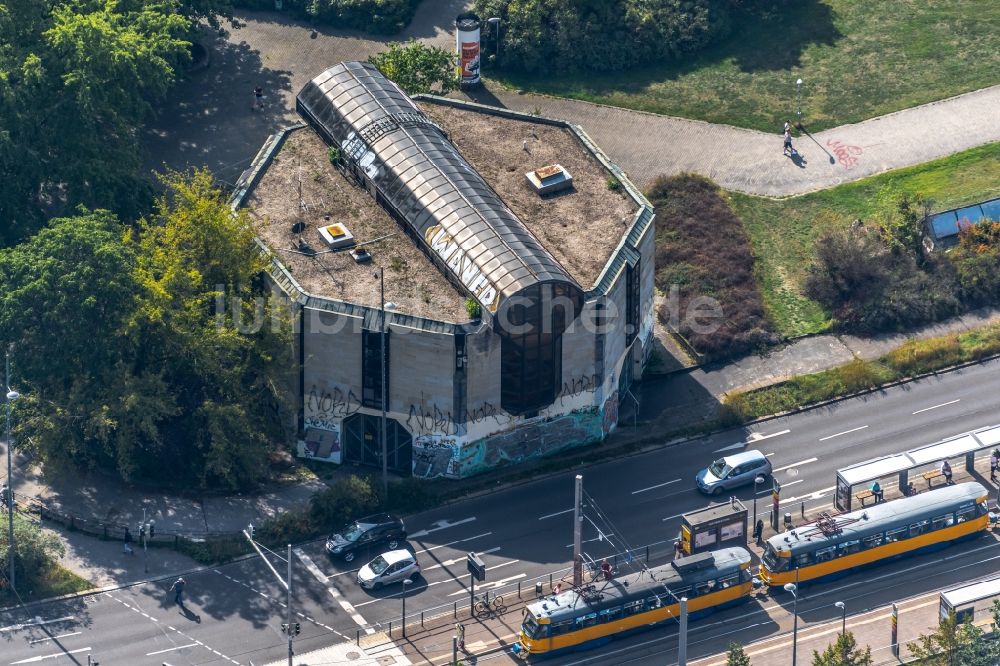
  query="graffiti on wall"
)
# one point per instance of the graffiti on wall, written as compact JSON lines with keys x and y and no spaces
{"x":610,"y":413}
{"x":434,"y":455}
{"x":578,"y":385}
{"x":321,"y":443}
{"x":432,"y":420}
{"x":326,"y":407}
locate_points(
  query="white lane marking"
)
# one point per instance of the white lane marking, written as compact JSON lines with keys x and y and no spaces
{"x":798,"y":464}
{"x":791,"y":483}
{"x":52,"y":638}
{"x":557,"y":513}
{"x":846,"y":432}
{"x":450,"y":543}
{"x":50,"y":656}
{"x":676,"y":515}
{"x":753,"y":438}
{"x":502,"y":564}
{"x":448,"y":563}
{"x":490,"y":584}
{"x":659,"y":485}
{"x":37,"y":621}
{"x":344,"y":603}
{"x":441,"y":525}
{"x":943,"y":404}
{"x":307,"y":618}
{"x":171,"y":649}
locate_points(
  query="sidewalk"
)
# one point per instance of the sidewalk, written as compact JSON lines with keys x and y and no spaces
{"x":208,"y":121}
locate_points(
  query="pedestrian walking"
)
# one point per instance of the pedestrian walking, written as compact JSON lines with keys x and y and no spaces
{"x":460,"y":632}
{"x":994,"y":462}
{"x":678,"y":549}
{"x":126,"y":547}
{"x":258,"y":98}
{"x":788,"y":150}
{"x":788,"y":126}
{"x":178,"y":589}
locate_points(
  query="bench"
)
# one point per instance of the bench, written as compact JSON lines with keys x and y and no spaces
{"x":863,"y":495}
{"x":931,"y":475}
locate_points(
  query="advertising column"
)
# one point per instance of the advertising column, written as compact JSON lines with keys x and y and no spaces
{"x":467,"y":46}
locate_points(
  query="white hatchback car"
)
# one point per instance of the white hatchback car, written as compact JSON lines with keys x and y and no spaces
{"x":391,"y":567}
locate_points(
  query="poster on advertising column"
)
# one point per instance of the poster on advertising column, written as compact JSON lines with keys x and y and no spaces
{"x":467,"y":29}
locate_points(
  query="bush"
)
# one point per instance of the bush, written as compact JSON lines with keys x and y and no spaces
{"x":613,"y":35}
{"x":473,"y":308}
{"x":870,"y":288}
{"x":342,"y":502}
{"x":703,"y":251}
{"x":384,"y":17}
{"x":411,"y":496}
{"x":614,"y":184}
{"x":919,"y":356}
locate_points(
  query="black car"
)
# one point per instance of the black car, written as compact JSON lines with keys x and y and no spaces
{"x":364,"y":534}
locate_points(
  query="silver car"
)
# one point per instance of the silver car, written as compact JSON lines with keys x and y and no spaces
{"x":731,"y":471}
{"x":391,"y":567}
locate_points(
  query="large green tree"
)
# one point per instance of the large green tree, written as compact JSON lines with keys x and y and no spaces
{"x":956,"y":643}
{"x":77,"y":79}
{"x":154,"y":352}
{"x":736,"y":656}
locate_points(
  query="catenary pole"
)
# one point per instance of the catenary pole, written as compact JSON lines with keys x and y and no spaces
{"x":578,"y":534}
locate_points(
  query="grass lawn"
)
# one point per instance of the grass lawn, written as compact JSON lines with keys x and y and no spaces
{"x":56,"y":582}
{"x":858,"y":59}
{"x":783,"y":232}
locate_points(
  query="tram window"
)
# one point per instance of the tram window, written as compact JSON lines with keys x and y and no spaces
{"x":634,"y":607}
{"x":897,"y":534}
{"x":916,"y":529}
{"x":610,"y":614}
{"x":667,"y":598}
{"x":682,"y":592}
{"x":560,"y":628}
{"x":982,"y":509}
{"x":652,"y":602}
{"x":588,"y":620}
{"x":729,"y":581}
{"x":966,"y":514}
{"x":942,"y":521}
{"x":704,"y":588}
{"x":848,"y":547}
{"x":874,"y":541}
{"x":800,"y":560}
{"x":824,"y":554}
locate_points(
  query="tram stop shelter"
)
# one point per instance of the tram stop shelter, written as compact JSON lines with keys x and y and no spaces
{"x":853,"y":482}
{"x":714,"y":527}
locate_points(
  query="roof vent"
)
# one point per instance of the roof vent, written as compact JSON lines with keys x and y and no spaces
{"x":361,"y":255}
{"x":549,"y":179}
{"x":336,"y":235}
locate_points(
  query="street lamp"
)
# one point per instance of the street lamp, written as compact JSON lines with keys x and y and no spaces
{"x":12,"y":396}
{"x":756,"y":482}
{"x":406,"y":586}
{"x":495,"y":27}
{"x":791,"y":587}
{"x":798,"y":95}
{"x":843,"y":625}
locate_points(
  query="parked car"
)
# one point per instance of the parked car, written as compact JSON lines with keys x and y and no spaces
{"x":731,"y":471}
{"x":394,"y":566}
{"x":364,"y":534}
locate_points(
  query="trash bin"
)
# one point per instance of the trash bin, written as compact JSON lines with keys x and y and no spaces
{"x":538,"y":590}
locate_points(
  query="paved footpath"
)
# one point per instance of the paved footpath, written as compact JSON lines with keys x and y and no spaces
{"x":208,"y":121}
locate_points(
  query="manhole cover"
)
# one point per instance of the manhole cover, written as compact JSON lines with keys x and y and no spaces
{"x":386,"y":661}
{"x":351,"y":656}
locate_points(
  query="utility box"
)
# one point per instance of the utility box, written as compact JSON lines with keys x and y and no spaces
{"x":714,"y":527}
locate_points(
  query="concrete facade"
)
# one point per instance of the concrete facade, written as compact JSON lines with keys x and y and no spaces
{"x":444,"y":388}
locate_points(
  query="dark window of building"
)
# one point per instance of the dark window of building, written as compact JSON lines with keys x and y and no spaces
{"x":632,"y":280}
{"x":531,"y":351}
{"x":371,"y":368}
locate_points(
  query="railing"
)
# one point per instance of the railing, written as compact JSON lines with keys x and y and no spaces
{"x":513,"y":593}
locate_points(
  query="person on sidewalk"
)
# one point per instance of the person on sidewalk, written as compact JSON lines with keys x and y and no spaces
{"x":910,"y":490}
{"x":678,"y":550}
{"x":606,"y":569}
{"x":788,"y":150}
{"x":460,"y":633}
{"x":994,"y":461}
{"x":126,"y":545}
{"x":788,"y":126}
{"x":258,"y":98}
{"x":946,"y":470}
{"x":178,"y":589}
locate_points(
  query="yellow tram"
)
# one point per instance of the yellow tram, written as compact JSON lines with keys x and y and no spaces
{"x":604,"y":610}
{"x":835,"y":546}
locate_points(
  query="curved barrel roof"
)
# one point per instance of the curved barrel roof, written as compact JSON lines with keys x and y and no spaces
{"x":422,"y":178}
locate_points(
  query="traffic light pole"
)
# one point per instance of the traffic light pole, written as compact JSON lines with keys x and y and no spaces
{"x":286,"y":583}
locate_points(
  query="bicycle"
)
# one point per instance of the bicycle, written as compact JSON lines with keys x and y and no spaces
{"x":486,"y":607}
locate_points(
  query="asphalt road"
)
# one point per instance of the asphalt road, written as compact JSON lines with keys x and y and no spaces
{"x":524,"y":533}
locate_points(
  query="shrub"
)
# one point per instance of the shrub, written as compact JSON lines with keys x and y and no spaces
{"x":611,"y":35}
{"x":342,"y":502}
{"x":870,"y":288}
{"x":614,"y":184}
{"x":411,"y":496}
{"x":920,"y":356}
{"x":703,"y":251}
{"x":473,"y":308}
{"x":976,"y":262}
{"x":287,"y":527}
{"x":384,"y":17}
{"x":333,"y":154}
